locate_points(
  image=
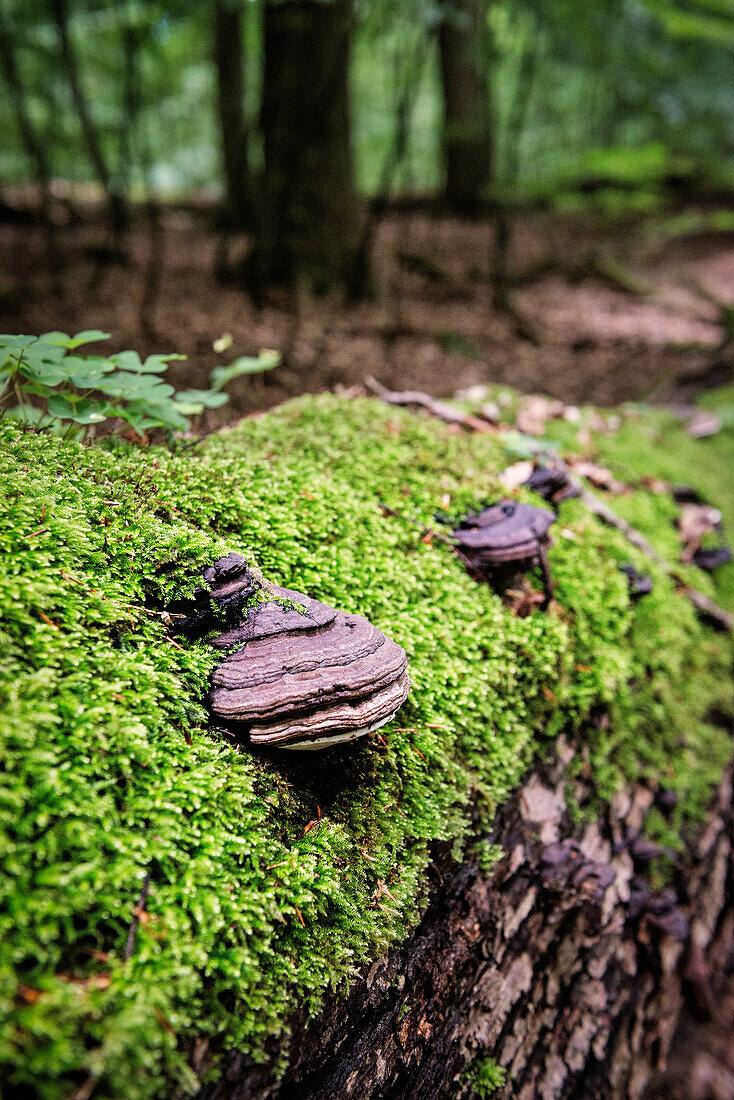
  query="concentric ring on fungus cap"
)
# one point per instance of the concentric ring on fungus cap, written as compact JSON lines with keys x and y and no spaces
{"x":307,"y":678}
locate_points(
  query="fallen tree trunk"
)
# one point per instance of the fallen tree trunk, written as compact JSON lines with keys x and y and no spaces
{"x":563,"y":965}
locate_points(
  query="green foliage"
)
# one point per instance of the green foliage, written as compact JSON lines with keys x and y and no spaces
{"x":246,"y":364}
{"x":486,"y":1076}
{"x":710,"y":22}
{"x":618,"y":76}
{"x":109,"y":773}
{"x":70,"y":390}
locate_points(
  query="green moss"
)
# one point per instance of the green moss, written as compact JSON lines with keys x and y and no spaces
{"x":486,"y":1076}
{"x":108,"y":772}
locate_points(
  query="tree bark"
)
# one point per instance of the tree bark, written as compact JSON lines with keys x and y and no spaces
{"x":566,"y":965}
{"x":309,"y":221}
{"x":229,"y":64}
{"x":466,"y":129}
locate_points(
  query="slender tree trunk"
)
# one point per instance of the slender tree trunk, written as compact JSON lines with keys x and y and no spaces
{"x":115,"y":199}
{"x":408,"y":82}
{"x":228,"y":60}
{"x":34,"y":146}
{"x":466,"y":130}
{"x":309,"y":224}
{"x":504,"y":214}
{"x":131,"y":103}
{"x":155,"y":260}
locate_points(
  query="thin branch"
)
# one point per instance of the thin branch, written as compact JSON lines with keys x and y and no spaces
{"x":441,"y":411}
{"x":115,"y":200}
{"x":702,"y":603}
{"x":709,"y":609}
{"x":608,"y":516}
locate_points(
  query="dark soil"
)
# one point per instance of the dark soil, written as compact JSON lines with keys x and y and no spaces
{"x":431,"y":326}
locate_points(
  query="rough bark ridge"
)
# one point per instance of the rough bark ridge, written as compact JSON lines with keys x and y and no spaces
{"x":563,"y":965}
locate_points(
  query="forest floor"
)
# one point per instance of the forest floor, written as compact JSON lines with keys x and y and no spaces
{"x":614,"y":312}
{"x":431,"y":326}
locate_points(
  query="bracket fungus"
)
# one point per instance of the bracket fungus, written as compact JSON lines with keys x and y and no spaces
{"x":504,"y":538}
{"x":638,"y":584}
{"x":303,"y":675}
{"x":553,"y":483}
{"x":711,"y":557}
{"x":231,"y":585}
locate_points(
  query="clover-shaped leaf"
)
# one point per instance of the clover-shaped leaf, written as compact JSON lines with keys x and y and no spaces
{"x":63,"y":340}
{"x":49,"y":374}
{"x":208,"y":399}
{"x":87,"y":374}
{"x":159,"y":363}
{"x":154,"y":364}
{"x":7,"y":341}
{"x":134,"y":386}
{"x":164,"y":414}
{"x":32,"y":353}
{"x":25,"y":414}
{"x":246,"y":364}
{"x":81,"y":411}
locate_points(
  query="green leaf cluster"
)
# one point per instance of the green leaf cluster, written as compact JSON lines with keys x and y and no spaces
{"x":72,"y":395}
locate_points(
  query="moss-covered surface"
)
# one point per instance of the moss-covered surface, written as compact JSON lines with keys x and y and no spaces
{"x":269,"y":878}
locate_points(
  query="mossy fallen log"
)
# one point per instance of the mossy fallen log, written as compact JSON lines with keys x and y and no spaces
{"x":250,"y":887}
{"x":560,"y":973}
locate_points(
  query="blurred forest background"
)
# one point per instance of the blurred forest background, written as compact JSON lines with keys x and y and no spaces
{"x":536,"y":192}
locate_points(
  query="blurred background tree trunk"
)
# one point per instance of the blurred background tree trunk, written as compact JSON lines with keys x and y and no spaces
{"x":34,"y":146}
{"x":116,"y":203}
{"x":466,"y":134}
{"x":229,"y":63}
{"x":309,"y":219}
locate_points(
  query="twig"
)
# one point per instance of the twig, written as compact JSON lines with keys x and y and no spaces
{"x":605,"y":513}
{"x":436,"y":408}
{"x":709,"y":609}
{"x":702,"y":603}
{"x":547,"y":578}
{"x":130,"y":944}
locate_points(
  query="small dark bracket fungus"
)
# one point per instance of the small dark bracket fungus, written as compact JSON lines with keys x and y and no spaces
{"x":504,"y":539}
{"x":711,"y":557}
{"x":230,"y":586}
{"x":307,"y":679}
{"x":696,"y":522}
{"x":638,"y":584}
{"x":553,"y":483}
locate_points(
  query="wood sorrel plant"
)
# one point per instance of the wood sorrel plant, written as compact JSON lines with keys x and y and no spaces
{"x":56,"y":390}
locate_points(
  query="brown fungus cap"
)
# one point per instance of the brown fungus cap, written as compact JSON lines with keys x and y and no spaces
{"x":553,"y":482}
{"x":307,"y":676}
{"x":505,"y":532}
{"x":272,"y":617}
{"x":350,"y":719}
